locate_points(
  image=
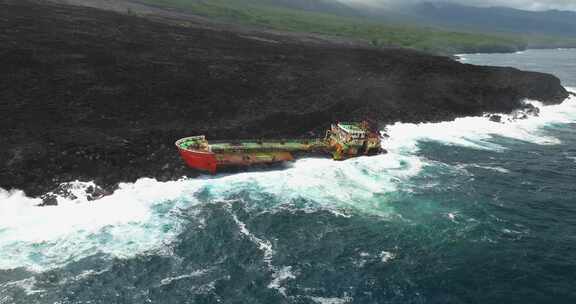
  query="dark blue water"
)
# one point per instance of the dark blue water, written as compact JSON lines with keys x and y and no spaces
{"x":560,"y":62}
{"x":469,"y":211}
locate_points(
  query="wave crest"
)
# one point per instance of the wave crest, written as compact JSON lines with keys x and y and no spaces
{"x":143,"y":216}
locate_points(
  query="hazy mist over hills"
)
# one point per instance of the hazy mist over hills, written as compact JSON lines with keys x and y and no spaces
{"x":499,"y":19}
{"x":435,"y":27}
{"x":513,"y":16}
{"x":534,"y":5}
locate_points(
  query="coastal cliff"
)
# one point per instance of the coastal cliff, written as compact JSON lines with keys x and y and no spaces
{"x":96,"y":95}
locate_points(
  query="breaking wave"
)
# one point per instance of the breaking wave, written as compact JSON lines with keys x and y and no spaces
{"x":478,"y":132}
{"x":146,"y":215}
{"x":135,"y":218}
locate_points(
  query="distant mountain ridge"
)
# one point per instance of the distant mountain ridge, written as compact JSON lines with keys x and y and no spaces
{"x":412,"y":26}
{"x":449,"y":15}
{"x":497,"y":19}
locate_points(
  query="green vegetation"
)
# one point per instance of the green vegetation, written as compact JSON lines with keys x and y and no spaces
{"x":549,"y":42}
{"x":379,"y":34}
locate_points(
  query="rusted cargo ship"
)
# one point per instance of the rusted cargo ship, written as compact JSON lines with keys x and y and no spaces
{"x":342,"y":141}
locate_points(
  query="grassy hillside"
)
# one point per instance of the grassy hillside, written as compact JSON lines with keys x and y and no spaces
{"x":377,"y":33}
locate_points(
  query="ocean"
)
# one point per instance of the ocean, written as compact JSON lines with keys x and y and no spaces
{"x":468,"y":211}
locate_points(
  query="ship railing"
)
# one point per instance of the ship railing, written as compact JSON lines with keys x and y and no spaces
{"x":193,"y":143}
{"x":198,"y":138}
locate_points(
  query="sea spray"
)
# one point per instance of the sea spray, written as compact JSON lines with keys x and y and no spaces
{"x":135,"y":218}
{"x":477,"y":132}
{"x":143,"y":216}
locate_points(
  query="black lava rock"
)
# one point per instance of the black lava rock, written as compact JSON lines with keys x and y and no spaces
{"x":95,"y":95}
{"x":496,"y":118}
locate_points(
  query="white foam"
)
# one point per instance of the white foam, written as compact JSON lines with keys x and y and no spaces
{"x":264,"y":245}
{"x":194,"y":274}
{"x":491,"y":168}
{"x":77,"y":192}
{"x":27,"y":285}
{"x":134,"y":219}
{"x":322,"y":300}
{"x":326,"y":183}
{"x":476,"y":132}
{"x":89,"y":273}
{"x":279,"y":276}
{"x":461,"y":57}
{"x":386,"y":256}
{"x":143,"y":216}
{"x":122,"y":225}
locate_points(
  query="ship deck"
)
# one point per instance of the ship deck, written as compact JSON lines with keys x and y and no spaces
{"x":268,"y":145}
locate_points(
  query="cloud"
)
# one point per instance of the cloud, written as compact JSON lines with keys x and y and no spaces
{"x":533,"y":5}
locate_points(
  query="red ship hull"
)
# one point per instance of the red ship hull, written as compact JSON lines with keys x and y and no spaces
{"x":211,"y":162}
{"x":205,"y":161}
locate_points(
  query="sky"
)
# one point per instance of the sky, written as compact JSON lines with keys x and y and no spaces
{"x":534,"y":5}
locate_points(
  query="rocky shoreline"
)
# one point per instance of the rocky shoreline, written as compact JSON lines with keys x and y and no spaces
{"x":93,"y":95}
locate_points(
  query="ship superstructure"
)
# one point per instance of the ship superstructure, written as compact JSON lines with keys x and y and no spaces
{"x":347,"y":140}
